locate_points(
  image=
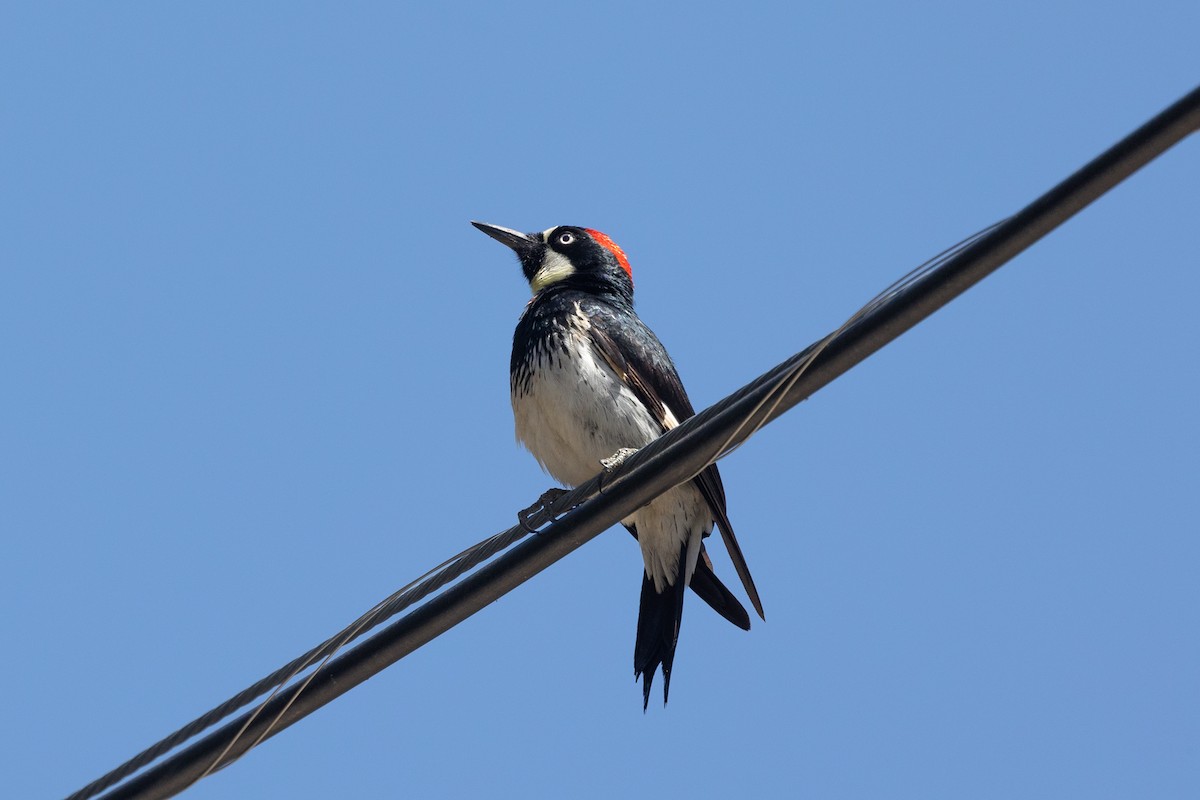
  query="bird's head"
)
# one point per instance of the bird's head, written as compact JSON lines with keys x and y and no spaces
{"x":567,"y":255}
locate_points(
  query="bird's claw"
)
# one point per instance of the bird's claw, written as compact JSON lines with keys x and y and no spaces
{"x":617,"y":459}
{"x":612,"y":462}
{"x":543,"y":504}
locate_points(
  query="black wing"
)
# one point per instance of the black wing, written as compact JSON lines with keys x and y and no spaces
{"x":654,"y":380}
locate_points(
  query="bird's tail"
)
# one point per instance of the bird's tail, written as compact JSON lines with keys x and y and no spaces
{"x":658,"y":632}
{"x":708,"y":587}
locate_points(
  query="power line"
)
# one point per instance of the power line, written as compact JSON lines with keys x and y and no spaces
{"x":600,"y":503}
{"x":433,"y":580}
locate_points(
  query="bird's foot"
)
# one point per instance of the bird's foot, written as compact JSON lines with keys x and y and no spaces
{"x":617,"y":459}
{"x":543,"y":504}
{"x":612,"y":462}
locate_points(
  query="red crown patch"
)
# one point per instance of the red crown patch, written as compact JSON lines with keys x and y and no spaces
{"x":612,"y":247}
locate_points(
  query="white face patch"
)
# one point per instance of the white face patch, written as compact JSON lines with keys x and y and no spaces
{"x":555,"y":267}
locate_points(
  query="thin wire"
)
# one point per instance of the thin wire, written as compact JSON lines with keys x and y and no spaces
{"x":661,"y":464}
{"x":413,"y":592}
{"x":455,"y":566}
{"x":786,"y":380}
{"x":452,"y":567}
{"x":446,"y":572}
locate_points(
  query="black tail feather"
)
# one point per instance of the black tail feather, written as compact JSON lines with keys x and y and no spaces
{"x":658,"y":632}
{"x":708,"y":587}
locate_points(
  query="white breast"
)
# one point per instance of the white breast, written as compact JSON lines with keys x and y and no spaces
{"x":573,"y":412}
{"x":576,"y":411}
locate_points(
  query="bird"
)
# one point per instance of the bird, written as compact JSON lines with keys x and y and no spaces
{"x":587,"y":379}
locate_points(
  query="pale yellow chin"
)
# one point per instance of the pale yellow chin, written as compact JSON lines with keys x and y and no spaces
{"x":555,"y":268}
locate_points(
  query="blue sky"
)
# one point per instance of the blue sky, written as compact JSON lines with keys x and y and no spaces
{"x":255,"y":378}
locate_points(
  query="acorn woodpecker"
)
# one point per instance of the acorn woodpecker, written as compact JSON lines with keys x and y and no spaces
{"x":588,"y":379}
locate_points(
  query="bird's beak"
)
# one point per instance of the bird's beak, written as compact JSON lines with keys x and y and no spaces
{"x":522,"y":243}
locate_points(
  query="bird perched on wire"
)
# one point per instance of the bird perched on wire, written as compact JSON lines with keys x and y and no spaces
{"x":588,"y":379}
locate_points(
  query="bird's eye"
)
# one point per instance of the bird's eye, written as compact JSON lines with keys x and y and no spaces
{"x":566,"y":238}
